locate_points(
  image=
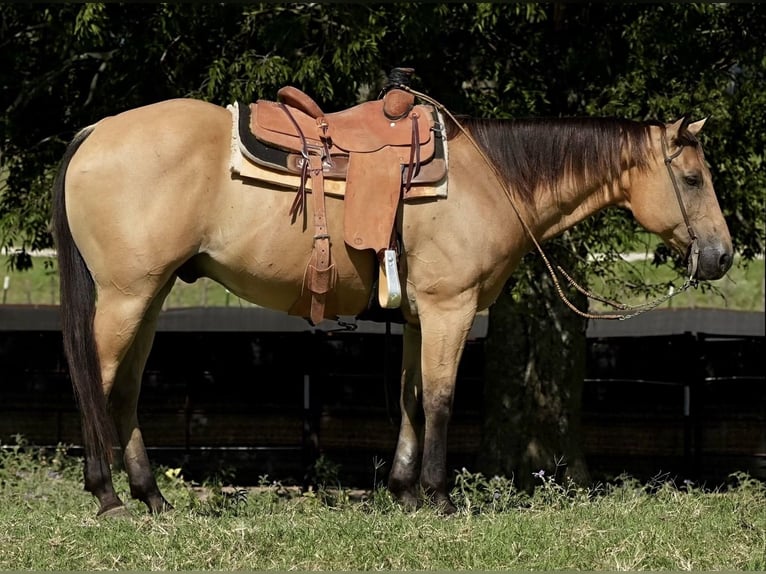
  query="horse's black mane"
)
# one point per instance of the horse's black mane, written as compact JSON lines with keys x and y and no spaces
{"x":530,"y":153}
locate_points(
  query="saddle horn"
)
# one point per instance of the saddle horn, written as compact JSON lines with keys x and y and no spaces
{"x":397,"y":103}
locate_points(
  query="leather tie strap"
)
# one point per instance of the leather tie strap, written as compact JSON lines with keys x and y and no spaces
{"x":321,"y":272}
{"x":300,"y":197}
{"x":414,"y":165}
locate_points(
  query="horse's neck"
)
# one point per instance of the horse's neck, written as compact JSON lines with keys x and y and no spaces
{"x":555,"y":211}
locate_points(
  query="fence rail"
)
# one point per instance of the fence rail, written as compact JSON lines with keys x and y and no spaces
{"x":672,"y":391}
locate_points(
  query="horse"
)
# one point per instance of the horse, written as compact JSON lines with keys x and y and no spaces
{"x":147,"y":195}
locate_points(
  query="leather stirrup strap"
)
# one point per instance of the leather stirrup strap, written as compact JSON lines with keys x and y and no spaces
{"x":320,"y":276}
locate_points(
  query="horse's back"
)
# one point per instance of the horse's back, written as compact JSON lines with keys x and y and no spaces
{"x":152,"y":134}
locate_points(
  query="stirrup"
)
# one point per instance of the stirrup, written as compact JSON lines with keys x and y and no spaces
{"x":389,"y":289}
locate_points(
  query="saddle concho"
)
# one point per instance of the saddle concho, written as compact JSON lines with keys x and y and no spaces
{"x":346,"y":173}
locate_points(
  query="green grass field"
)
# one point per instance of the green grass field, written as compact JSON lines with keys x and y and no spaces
{"x":741,"y":289}
{"x":47,"y":522}
{"x":39,"y":286}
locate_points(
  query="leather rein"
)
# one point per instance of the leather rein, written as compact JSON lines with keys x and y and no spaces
{"x":626,"y":311}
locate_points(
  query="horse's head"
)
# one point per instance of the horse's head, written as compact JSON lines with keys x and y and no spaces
{"x":675,"y":199}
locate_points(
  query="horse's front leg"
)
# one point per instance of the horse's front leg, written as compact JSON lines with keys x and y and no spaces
{"x":403,"y":479}
{"x":428,"y":389}
{"x":444,"y":334}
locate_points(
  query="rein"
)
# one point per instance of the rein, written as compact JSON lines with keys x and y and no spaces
{"x":628,"y":311}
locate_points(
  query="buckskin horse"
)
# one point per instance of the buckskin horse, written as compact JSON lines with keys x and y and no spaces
{"x":149,"y":195}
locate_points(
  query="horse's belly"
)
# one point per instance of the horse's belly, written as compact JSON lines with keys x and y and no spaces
{"x":274,"y":277}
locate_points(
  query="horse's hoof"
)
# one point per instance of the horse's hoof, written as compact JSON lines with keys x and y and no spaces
{"x":408,"y":501}
{"x":445,"y":507}
{"x":159,"y":505}
{"x":116,"y":512}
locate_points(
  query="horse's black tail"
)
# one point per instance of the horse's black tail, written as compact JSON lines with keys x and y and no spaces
{"x":78,"y":306}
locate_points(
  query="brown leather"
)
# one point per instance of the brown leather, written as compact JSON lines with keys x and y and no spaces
{"x":321,"y":271}
{"x":377,"y":148}
{"x":293,"y":97}
{"x":373,"y":191}
{"x":397,"y":103}
{"x":363,"y":128}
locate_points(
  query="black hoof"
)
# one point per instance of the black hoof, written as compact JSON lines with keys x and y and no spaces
{"x":158,"y":505}
{"x":115,"y":512}
{"x":444,"y":506}
{"x":407,"y":501}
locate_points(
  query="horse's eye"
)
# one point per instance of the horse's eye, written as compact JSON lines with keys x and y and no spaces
{"x":692,"y":180}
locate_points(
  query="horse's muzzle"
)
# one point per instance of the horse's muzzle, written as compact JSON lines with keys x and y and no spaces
{"x":712,"y":262}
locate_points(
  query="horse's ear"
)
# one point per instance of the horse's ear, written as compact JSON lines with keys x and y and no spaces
{"x":695,"y":127}
{"x":680,"y":130}
{"x":673,"y":129}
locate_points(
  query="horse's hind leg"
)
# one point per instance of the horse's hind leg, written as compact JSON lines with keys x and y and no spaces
{"x":124,"y":406}
{"x":98,"y":481}
{"x":121,"y":337}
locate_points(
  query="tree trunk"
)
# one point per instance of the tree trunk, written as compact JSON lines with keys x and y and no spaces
{"x":534,"y":371}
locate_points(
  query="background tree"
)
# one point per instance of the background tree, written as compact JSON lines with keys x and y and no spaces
{"x":65,"y":66}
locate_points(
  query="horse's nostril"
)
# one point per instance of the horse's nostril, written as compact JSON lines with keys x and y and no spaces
{"x":724,"y":262}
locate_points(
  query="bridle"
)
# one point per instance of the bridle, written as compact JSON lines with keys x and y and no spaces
{"x":626,"y":311}
{"x":693,"y":252}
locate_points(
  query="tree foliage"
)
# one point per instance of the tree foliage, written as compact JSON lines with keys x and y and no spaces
{"x":68,"y":65}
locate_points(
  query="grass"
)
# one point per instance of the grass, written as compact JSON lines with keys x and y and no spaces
{"x":39,"y":286}
{"x":47,"y":522}
{"x":741,"y":289}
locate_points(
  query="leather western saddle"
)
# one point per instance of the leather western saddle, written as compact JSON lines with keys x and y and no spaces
{"x":378,"y":147}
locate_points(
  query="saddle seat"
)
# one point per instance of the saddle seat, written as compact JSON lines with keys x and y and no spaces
{"x":396,"y":103}
{"x":363,"y":128}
